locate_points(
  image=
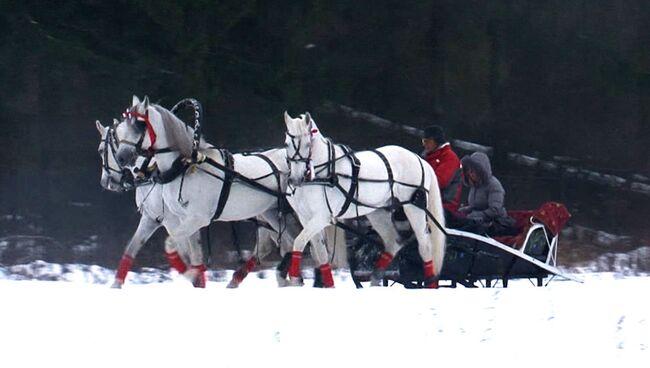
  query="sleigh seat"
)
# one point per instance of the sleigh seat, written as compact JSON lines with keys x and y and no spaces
{"x":538,"y":230}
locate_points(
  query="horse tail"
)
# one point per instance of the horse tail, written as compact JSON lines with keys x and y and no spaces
{"x":436,"y":235}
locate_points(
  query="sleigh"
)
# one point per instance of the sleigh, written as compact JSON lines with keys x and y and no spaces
{"x":471,"y":259}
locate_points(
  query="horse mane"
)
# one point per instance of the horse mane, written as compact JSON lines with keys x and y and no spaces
{"x":179,"y":135}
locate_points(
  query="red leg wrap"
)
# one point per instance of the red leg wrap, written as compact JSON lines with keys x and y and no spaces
{"x":383,"y":261}
{"x":200,"y":280}
{"x":125,"y":265}
{"x":294,"y":267}
{"x":243,"y":271}
{"x":250,"y":264}
{"x":238,"y":276}
{"x":176,"y":262}
{"x":326,"y":274}
{"x":429,"y":273}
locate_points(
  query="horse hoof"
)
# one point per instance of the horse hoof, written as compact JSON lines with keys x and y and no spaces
{"x":232,"y":285}
{"x":432,"y":285}
{"x":377,"y":278}
{"x":199,"y":282}
{"x":116,"y":285}
{"x":282,"y":281}
{"x":196,"y":276}
{"x":295,"y":281}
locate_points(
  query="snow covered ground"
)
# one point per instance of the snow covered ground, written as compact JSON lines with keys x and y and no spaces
{"x":80,"y":322}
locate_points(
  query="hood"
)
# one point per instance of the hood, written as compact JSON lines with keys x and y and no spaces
{"x":479,"y":162}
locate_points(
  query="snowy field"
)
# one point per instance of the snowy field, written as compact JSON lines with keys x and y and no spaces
{"x":604,"y":322}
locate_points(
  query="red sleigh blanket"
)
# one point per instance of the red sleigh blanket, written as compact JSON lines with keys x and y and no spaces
{"x":552,"y":215}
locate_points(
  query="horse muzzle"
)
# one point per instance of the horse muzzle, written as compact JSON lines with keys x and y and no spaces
{"x":126,"y":156}
{"x":123,"y":184}
{"x":296,"y":181}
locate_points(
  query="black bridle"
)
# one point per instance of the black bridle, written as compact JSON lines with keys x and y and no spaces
{"x":111,"y":142}
{"x":297,"y":155}
{"x":141,"y":124}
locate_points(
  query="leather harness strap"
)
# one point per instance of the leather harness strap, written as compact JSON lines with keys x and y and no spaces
{"x":352,"y":193}
{"x":282,"y":200}
{"x":389,"y":171}
{"x":228,"y":176}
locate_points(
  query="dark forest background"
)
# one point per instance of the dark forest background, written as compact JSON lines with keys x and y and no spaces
{"x":546,"y":78}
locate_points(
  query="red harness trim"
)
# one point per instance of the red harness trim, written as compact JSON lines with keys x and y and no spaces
{"x":143,"y":117}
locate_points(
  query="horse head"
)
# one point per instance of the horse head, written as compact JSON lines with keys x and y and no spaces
{"x":114,"y":177}
{"x":300,"y":135}
{"x":135,"y":133}
{"x":145,"y":128}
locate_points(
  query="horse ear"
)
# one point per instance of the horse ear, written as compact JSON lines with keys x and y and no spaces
{"x":287,"y":118}
{"x":145,"y":102}
{"x":136,"y":101}
{"x":100,"y":128}
{"x":308,"y":119}
{"x":115,"y":122}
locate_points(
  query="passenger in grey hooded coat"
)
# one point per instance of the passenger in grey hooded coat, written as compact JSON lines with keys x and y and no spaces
{"x":485,"y":201}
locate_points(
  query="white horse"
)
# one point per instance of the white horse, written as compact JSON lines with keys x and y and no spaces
{"x":149,"y":202}
{"x":328,"y":182}
{"x":249,"y":188}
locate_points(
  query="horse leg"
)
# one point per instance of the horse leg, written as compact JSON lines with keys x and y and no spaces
{"x":313,"y":227}
{"x":261,"y":250}
{"x":173,"y":257}
{"x":319,"y":252}
{"x":145,"y":229}
{"x":191,"y":245}
{"x":286,"y":233}
{"x":196,"y":274}
{"x":382,"y":223}
{"x":418,"y":220}
{"x":290,"y":229}
{"x":286,"y":230}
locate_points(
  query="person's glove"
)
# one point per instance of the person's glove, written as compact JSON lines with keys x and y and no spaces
{"x":476,"y":216}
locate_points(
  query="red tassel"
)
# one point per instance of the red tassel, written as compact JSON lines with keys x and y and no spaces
{"x":326,"y":275}
{"x":176,"y":262}
{"x":383,"y":261}
{"x":294,"y":267}
{"x":125,"y":265}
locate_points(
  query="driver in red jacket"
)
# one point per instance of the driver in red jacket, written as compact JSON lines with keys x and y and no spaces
{"x":446,"y":164}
